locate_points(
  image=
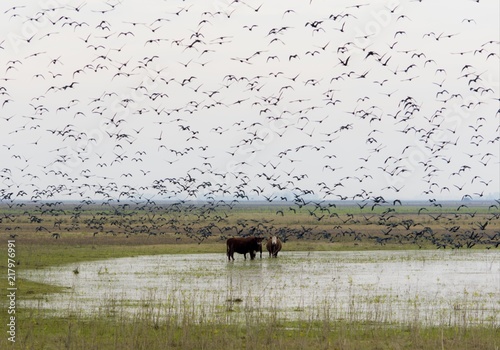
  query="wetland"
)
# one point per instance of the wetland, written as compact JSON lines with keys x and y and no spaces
{"x":430,"y":287}
{"x":134,"y":277}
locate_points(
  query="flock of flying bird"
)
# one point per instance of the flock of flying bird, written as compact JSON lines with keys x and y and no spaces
{"x":299,"y":103}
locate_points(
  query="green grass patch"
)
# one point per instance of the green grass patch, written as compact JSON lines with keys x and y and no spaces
{"x":27,"y":289}
{"x":35,"y":330}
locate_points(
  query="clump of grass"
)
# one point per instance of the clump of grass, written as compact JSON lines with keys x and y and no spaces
{"x":234,"y":300}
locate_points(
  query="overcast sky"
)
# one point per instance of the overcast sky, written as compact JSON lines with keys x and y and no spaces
{"x":211,"y":99}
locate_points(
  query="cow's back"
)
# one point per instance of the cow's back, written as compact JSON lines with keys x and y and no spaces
{"x":244,"y":245}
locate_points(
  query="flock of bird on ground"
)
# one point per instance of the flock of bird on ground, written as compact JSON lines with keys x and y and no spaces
{"x":208,"y":105}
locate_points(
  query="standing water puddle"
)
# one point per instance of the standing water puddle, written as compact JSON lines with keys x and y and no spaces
{"x":428,"y":287}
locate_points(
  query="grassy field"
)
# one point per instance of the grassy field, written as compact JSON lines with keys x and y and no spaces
{"x":36,"y":331}
{"x":61,"y":234}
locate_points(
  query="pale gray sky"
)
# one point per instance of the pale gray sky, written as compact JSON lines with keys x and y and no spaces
{"x":201,"y":99}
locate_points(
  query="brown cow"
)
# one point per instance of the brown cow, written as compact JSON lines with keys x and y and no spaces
{"x":243,"y":246}
{"x":273,"y":246}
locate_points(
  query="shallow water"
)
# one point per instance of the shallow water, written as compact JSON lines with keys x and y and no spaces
{"x":427,"y":287}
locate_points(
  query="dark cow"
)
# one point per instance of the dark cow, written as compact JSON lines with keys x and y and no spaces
{"x":243,"y":246}
{"x":273,"y":246}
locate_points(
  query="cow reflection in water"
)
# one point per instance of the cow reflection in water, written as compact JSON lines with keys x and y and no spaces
{"x":244,"y":245}
{"x":273,"y":246}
